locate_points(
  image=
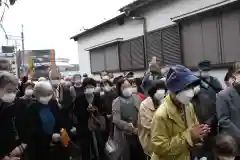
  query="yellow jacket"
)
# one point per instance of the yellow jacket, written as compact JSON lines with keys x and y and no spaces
{"x":170,"y":136}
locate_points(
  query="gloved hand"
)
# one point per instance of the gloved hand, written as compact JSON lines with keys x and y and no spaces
{"x":56,"y":137}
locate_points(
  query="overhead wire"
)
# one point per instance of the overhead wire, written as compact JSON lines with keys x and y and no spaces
{"x":1,"y":20}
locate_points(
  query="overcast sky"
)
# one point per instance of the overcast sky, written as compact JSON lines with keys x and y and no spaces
{"x":48,"y":24}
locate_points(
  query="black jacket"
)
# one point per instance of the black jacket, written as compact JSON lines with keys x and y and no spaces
{"x":37,"y":140}
{"x":7,"y":134}
{"x":80,"y":110}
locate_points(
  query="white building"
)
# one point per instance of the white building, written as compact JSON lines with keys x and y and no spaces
{"x":178,"y":31}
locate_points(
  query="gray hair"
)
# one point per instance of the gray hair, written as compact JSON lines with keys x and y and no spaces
{"x":7,"y":78}
{"x":4,"y":64}
{"x":42,"y":88}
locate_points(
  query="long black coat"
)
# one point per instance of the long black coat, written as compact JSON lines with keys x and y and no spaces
{"x":84,"y":135}
{"x":80,"y":110}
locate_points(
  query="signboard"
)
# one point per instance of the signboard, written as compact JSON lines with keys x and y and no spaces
{"x":42,"y":59}
{"x":8,"y":49}
{"x":39,"y":57}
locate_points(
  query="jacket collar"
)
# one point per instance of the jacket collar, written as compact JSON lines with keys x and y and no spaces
{"x":173,"y":113}
{"x":150,"y":104}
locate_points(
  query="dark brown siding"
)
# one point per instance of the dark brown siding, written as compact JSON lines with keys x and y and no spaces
{"x":125,"y":56}
{"x":155,"y":46}
{"x":137,"y":53}
{"x":171,"y":46}
{"x":215,"y":37}
{"x":231,"y":36}
{"x":165,"y":45}
{"x":132,"y":54}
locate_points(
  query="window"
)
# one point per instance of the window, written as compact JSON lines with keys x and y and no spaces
{"x":165,"y":45}
{"x":132,"y":54}
{"x":214,"y":36}
{"x":104,"y":58}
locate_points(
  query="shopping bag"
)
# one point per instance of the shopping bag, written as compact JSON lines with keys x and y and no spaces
{"x":111,"y":148}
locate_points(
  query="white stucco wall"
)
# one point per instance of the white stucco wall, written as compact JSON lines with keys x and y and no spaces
{"x":157,"y":16}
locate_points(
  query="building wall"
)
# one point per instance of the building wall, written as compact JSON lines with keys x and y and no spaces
{"x":158,"y":15}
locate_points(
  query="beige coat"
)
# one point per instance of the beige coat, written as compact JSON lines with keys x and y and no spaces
{"x":171,"y":139}
{"x":146,"y":113}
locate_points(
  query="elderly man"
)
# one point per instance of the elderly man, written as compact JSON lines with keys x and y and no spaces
{"x":227,"y":106}
{"x":44,"y":122}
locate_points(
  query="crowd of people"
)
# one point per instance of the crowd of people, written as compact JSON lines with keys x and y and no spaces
{"x":168,"y":114}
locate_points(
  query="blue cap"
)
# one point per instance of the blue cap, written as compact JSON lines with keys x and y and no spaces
{"x":179,"y":77}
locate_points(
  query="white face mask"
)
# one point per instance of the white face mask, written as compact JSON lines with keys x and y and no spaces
{"x":197,"y":89}
{"x":159,"y":95}
{"x":105,"y":77}
{"x":28,"y":92}
{"x":67,"y":83}
{"x":127,"y":92}
{"x":89,"y":90}
{"x":205,"y":74}
{"x":62,"y":81}
{"x":98,"y":89}
{"x":107,"y":88}
{"x":9,"y":97}
{"x":185,"y":96}
{"x":55,"y":82}
{"x":226,"y":158}
{"x":45,"y":100}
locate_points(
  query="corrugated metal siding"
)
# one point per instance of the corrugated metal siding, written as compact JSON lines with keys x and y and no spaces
{"x":137,"y":53}
{"x":154,"y":46}
{"x":125,"y":56}
{"x":132,"y":54}
{"x":171,"y":46}
{"x":165,"y":45}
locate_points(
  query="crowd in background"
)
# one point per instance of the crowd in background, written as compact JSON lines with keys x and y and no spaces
{"x":168,"y":114}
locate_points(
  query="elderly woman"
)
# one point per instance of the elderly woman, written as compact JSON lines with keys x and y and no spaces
{"x":175,"y":128}
{"x":44,"y":122}
{"x":8,"y":89}
{"x":87,"y":105}
{"x":125,"y":118}
{"x":146,"y":112}
{"x":21,"y":105}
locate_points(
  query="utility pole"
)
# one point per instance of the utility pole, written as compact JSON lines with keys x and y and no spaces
{"x":23,"y":50}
